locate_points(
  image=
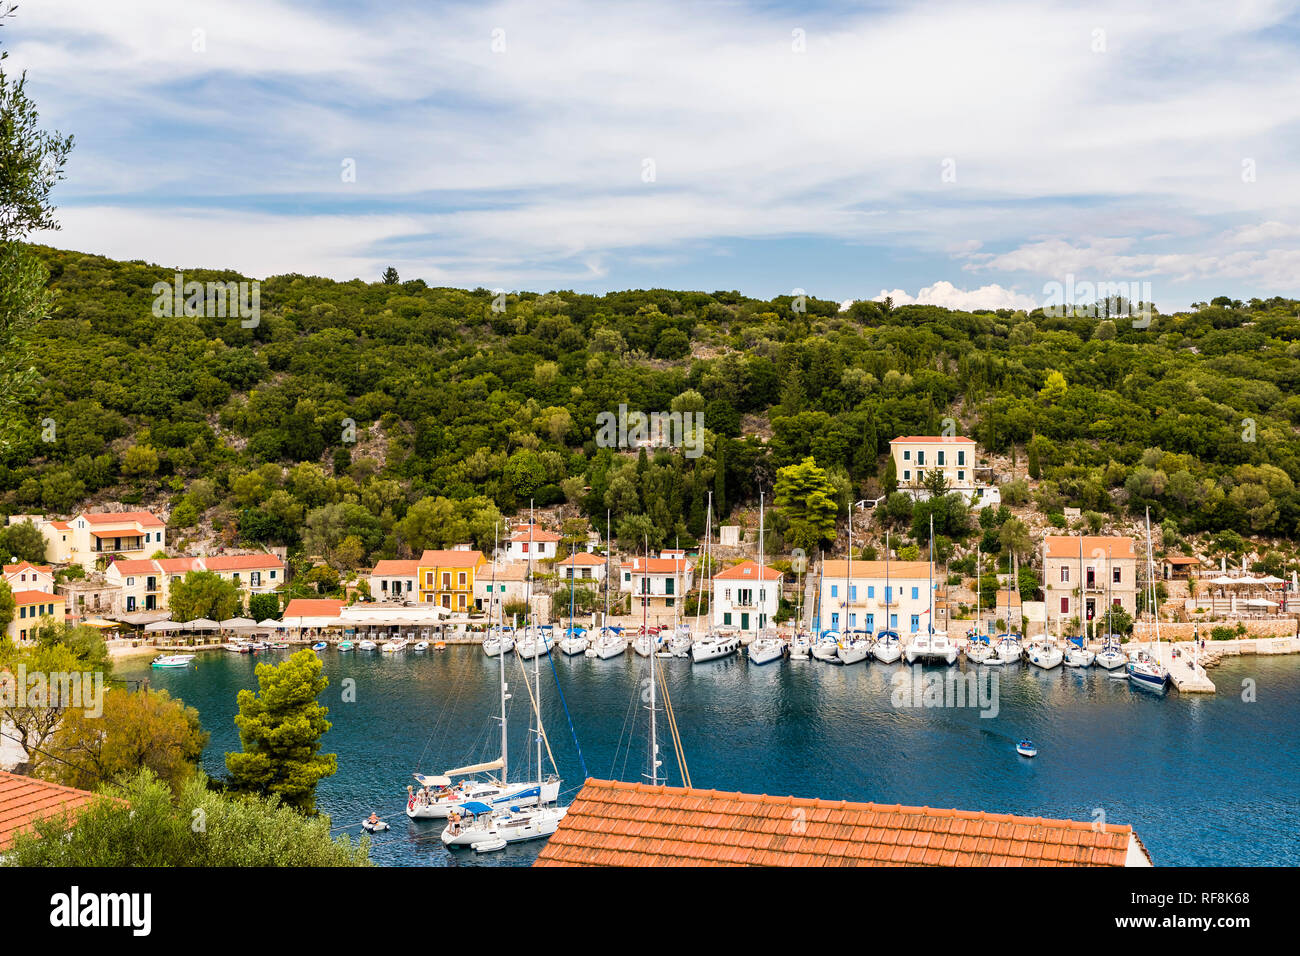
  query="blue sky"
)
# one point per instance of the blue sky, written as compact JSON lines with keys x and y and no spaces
{"x":966,"y":154}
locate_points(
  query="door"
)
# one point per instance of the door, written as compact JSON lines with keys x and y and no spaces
{"x":744,"y":621}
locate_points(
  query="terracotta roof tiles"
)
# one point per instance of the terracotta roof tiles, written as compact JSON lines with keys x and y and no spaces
{"x":24,"y":800}
{"x":623,"y":824}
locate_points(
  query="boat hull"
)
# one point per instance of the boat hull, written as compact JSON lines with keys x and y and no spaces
{"x":508,"y":795}
{"x":702,"y":651}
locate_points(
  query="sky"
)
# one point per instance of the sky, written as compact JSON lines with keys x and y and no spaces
{"x":968,"y":155}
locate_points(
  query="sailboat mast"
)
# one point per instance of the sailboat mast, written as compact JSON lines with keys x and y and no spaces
{"x":1083,"y":595}
{"x":889,"y":596}
{"x":704,"y":556}
{"x":848,"y":595}
{"x":1151,"y":578}
{"x":930,"y":576}
{"x":761,"y":622}
{"x":645,"y":601}
{"x":607,"y":551}
{"x":979,"y":593}
{"x":537,"y":647}
{"x":501,"y":653}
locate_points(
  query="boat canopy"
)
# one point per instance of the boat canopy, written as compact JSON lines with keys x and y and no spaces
{"x":474,"y":768}
{"x":432,"y":780}
{"x":473,"y":806}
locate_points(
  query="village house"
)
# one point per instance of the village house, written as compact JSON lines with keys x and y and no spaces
{"x":1105,"y":567}
{"x":446,"y":577}
{"x":145,"y":584}
{"x":873,"y":600}
{"x":494,"y":588}
{"x":532,"y":542}
{"x":89,"y":536}
{"x":32,"y":608}
{"x":581,"y":566}
{"x":918,"y":456}
{"x":25,"y":576}
{"x":392,"y":580}
{"x":253,"y":573}
{"x":746,"y":597}
{"x":656,"y":583}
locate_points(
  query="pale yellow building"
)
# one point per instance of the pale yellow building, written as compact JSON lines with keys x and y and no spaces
{"x":918,"y":456}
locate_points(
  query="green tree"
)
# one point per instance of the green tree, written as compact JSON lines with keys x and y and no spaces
{"x":204,"y":594}
{"x":805,"y":503}
{"x":140,"y":729}
{"x":390,"y":276}
{"x":146,"y":823}
{"x":31,"y":164}
{"x":280,"y":729}
{"x":264,"y":606}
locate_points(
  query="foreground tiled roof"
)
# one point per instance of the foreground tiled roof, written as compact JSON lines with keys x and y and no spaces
{"x":630,"y":824}
{"x":23,"y":800}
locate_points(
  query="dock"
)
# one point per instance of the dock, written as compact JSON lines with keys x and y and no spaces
{"x":1186,"y":677}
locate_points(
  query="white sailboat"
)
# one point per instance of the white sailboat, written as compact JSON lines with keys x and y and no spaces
{"x":854,"y":644}
{"x":1044,"y":654}
{"x":929,"y":644}
{"x":717,"y":642}
{"x":1076,"y":651}
{"x":1007,"y":649}
{"x":888,"y":648}
{"x":529,"y":813}
{"x":1112,"y":653}
{"x":499,"y":640}
{"x":439,"y":794}
{"x":1146,"y":671}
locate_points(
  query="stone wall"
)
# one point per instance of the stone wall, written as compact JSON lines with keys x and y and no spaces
{"x":1143,"y":631}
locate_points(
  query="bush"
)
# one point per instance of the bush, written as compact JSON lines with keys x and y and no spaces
{"x":1222,"y":633}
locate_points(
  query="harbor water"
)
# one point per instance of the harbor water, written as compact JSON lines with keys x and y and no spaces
{"x":1205,"y":779}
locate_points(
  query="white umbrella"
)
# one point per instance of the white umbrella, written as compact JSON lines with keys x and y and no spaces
{"x":200,"y":624}
{"x":1269,"y":579}
{"x":1224,"y":581}
{"x":1261,"y":602}
{"x":163,"y":626}
{"x":238,"y":623}
{"x":268,"y":623}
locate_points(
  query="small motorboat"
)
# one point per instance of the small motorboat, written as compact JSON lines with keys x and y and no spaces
{"x":393,"y":646}
{"x":440,"y":646}
{"x":374,"y":825}
{"x":490,"y":846}
{"x":173,"y":660}
{"x":1026,"y":748}
{"x":319,"y":646}
{"x":421,"y":645}
{"x":345,"y":646}
{"x":367,"y":645}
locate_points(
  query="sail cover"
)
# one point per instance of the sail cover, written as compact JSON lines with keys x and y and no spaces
{"x":474,"y":768}
{"x":432,"y":780}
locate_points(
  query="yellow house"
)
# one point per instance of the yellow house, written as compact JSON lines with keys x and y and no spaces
{"x":29,"y":609}
{"x":446,"y":578}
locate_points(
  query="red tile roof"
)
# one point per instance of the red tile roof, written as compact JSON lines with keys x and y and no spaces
{"x":582,"y":559}
{"x":27,"y":566}
{"x":35,"y":597}
{"x":747,"y":571}
{"x":313,"y":607}
{"x":656,"y":566}
{"x":1094,"y":546}
{"x":937,"y":439}
{"x":451,"y":558}
{"x":24,"y":800}
{"x":242,"y":562}
{"x":391,"y":567}
{"x":632,"y":824}
{"x":135,"y":566}
{"x":141,"y":517}
{"x":178,"y":565}
{"x":538,"y":535}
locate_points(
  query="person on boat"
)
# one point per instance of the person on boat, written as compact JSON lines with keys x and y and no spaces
{"x":374,"y":818}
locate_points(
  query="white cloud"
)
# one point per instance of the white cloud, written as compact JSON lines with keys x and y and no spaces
{"x":946,"y":294}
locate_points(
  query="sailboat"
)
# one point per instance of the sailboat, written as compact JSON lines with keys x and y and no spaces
{"x":1111,"y":654}
{"x":889,"y":646}
{"x":929,"y":644}
{"x":609,"y":642}
{"x":855,"y":644}
{"x":529,"y":812}
{"x":717,"y":642}
{"x":827,"y":644}
{"x":499,"y":640}
{"x":1147,"y":671}
{"x":1007,"y":649}
{"x":978,"y":648}
{"x":767,"y":646}
{"x":1077,"y":654}
{"x":439,"y":795}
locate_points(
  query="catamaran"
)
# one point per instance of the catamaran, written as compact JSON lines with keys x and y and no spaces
{"x":1146,"y":671}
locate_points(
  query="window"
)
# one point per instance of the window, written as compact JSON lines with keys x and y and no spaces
{"x":920,"y":474}
{"x":961,"y":457}
{"x":835,"y":590}
{"x":907,"y":455}
{"x":446,"y":579}
{"x":461,"y":579}
{"x":668,"y":586}
{"x":1114,"y":575}
{"x":668,"y":602}
{"x":853,"y":592}
{"x":920,"y":457}
{"x":916,"y":593}
{"x":889,"y":595}
{"x":1065,"y":574}
{"x":130,"y":582}
{"x":1065,"y":605}
{"x":940,"y":460}
{"x":907,"y":474}
{"x":726,"y":618}
{"x":961,"y":475}
{"x":916,"y":622}
{"x":871,"y":592}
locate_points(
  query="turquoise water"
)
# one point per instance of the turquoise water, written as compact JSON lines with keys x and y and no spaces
{"x":1206,"y":780}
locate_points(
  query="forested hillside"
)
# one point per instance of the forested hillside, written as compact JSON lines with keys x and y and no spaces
{"x":380,"y":418}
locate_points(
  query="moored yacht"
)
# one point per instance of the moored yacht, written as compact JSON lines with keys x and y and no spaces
{"x":715,"y":644}
{"x":1007,"y":649}
{"x":1111,"y":654}
{"x":1147,"y":672}
{"x":1076,"y":655}
{"x":610,"y":643}
{"x":978,"y":648}
{"x":1044,"y":654}
{"x":574,"y":642}
{"x":853,"y":647}
{"x":826,"y":647}
{"x":888,"y":647}
{"x":498,"y":641}
{"x":800,"y":645}
{"x":765,"y":649}
{"x":931,"y":647}
{"x":535,"y":642}
{"x":478,"y":823}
